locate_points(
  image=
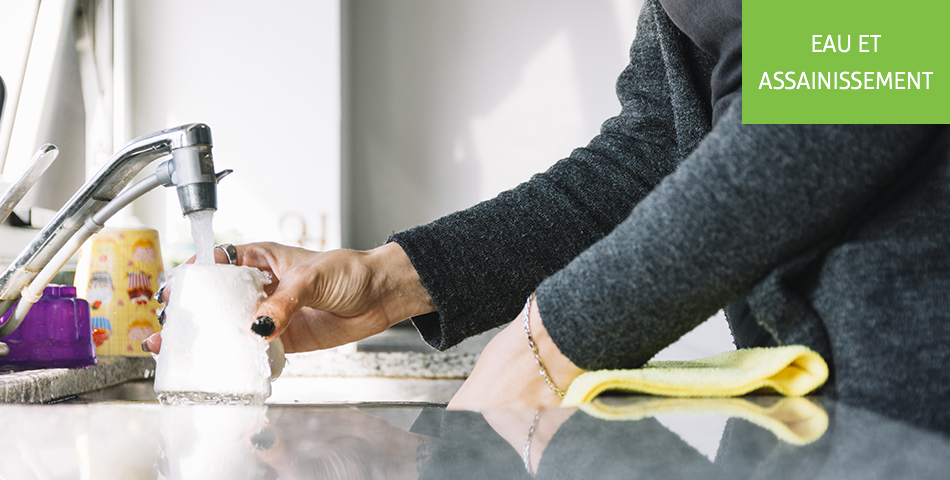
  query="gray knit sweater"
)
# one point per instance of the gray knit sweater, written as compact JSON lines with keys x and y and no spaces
{"x":823,"y":235}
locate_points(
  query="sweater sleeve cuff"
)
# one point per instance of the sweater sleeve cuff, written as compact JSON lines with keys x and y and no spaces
{"x":432,"y":326}
{"x":561,"y":334}
{"x":429,"y":326}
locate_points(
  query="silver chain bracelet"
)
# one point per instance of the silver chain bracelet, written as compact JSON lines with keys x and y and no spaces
{"x":534,"y":349}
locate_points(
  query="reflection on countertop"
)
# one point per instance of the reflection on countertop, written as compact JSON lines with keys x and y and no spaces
{"x":615,"y":437}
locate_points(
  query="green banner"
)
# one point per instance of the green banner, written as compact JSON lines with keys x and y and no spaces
{"x":846,"y":61}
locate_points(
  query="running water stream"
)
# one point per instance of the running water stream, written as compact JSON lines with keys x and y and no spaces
{"x":203,"y":234}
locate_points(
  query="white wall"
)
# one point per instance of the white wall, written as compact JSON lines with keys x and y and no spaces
{"x":265,"y":77}
{"x":451,"y":102}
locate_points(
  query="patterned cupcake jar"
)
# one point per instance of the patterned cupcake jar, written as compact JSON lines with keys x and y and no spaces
{"x":118,"y":273}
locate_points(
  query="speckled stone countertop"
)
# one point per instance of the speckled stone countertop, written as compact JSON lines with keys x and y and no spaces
{"x":450,"y":365}
{"x":51,"y":384}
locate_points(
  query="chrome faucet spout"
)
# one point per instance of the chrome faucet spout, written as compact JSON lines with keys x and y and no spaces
{"x":191,"y":171}
{"x":187,"y":165}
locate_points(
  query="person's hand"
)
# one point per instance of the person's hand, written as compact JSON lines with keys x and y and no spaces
{"x":320,"y":300}
{"x":507,"y":374}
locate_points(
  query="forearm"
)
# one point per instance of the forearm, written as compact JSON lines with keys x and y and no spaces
{"x":750,"y":197}
{"x":479,"y":264}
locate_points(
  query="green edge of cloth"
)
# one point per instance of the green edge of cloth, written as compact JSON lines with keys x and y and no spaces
{"x":792,"y":371}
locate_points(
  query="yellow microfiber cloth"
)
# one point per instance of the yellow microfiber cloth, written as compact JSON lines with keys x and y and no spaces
{"x":797,"y":421}
{"x":792,"y":370}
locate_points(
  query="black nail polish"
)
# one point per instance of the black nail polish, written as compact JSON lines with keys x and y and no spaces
{"x":263,"y":326}
{"x":161,"y":316}
{"x":158,"y":294}
{"x":145,"y":346}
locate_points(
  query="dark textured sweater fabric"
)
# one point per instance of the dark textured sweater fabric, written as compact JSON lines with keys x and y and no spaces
{"x":715,"y":26}
{"x":828,"y":236}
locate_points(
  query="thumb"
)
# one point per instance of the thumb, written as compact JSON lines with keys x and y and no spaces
{"x":276,"y":311}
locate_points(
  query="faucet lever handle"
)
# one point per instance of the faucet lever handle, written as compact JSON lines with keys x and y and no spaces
{"x":223,"y":173}
{"x":42,"y":159}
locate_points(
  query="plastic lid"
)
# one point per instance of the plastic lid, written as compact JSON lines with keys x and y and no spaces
{"x":59,"y":291}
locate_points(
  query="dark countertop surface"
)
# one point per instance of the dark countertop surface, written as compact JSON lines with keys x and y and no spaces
{"x":616,"y":437}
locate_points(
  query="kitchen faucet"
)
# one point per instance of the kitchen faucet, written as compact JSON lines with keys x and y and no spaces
{"x":186,"y":151}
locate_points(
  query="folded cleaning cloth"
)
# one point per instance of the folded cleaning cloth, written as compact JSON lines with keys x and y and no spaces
{"x":797,"y":421}
{"x":792,"y":370}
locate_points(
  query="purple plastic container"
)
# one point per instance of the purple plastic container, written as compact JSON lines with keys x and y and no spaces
{"x":56,"y":332}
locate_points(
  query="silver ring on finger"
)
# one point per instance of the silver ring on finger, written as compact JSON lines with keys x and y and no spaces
{"x":229,"y":251}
